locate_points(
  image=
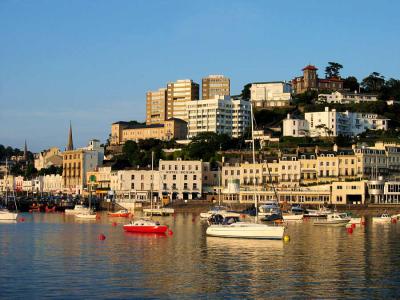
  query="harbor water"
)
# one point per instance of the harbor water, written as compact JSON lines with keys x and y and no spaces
{"x":56,"y":256}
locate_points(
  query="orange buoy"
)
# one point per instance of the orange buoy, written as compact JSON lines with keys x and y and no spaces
{"x":170,"y":232}
{"x":114,"y":224}
{"x":350,"y":230}
{"x":102,"y":237}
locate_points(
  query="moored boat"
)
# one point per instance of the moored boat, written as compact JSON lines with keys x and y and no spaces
{"x":384,"y":218}
{"x":78,"y":209}
{"x":145,"y":226}
{"x":89,"y":215}
{"x":6,"y":215}
{"x":292,"y":217}
{"x":123,"y":213}
{"x":333,"y":219}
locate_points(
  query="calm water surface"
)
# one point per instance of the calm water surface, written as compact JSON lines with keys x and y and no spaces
{"x":54,"y":256}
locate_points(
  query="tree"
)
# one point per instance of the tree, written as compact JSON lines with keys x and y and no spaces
{"x":333,"y":70}
{"x":373,"y":82}
{"x":390,"y":90}
{"x":351,"y":83}
{"x":246,"y":94}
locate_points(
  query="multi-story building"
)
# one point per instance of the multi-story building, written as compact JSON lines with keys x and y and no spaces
{"x":271,"y":94}
{"x":331,"y":123}
{"x":343,"y":97}
{"x":178,"y":93}
{"x":169,"y":129}
{"x":219,"y":115}
{"x":47,"y":158}
{"x":215,"y":85}
{"x":181,"y":179}
{"x":310,"y":81}
{"x":156,"y":106}
{"x":76,"y":163}
{"x":295,"y":127}
{"x":52,"y":184}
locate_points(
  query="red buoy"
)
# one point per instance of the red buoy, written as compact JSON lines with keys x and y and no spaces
{"x":170,"y":232}
{"x":98,"y":217}
{"x":350,"y":230}
{"x":114,"y":224}
{"x":362,"y":222}
{"x":22,"y":219}
{"x":394,"y":221}
{"x":102,"y":237}
{"x":353,"y":225}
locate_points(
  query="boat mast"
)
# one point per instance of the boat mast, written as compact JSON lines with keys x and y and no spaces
{"x":254,"y":161}
{"x":151,"y":184}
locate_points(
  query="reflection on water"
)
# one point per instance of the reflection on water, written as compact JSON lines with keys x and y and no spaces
{"x":53,"y":255}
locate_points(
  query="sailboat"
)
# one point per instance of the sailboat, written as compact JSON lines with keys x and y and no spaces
{"x":147,"y":225}
{"x":233,"y":228}
{"x":5,"y":213}
{"x":88,"y":214}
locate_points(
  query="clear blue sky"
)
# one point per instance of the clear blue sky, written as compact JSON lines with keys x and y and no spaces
{"x":92,"y":62}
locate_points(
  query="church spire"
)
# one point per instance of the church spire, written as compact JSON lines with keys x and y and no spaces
{"x":70,"y":145}
{"x":25,"y":152}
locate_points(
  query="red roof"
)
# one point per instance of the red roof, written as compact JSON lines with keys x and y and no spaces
{"x":310,"y":67}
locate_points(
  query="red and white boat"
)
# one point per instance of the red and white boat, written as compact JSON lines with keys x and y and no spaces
{"x":123,"y":213}
{"x":145,"y":226}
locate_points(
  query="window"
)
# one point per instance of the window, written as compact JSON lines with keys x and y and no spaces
{"x":132,"y":186}
{"x":133,"y":177}
{"x":195,"y":177}
{"x":184,"y":177}
{"x":194,"y":186}
{"x":173,"y":177}
{"x":185,"y":185}
{"x":165,"y":186}
{"x":183,"y":168}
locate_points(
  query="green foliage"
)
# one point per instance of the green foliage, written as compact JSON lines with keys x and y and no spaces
{"x":307,"y":97}
{"x":373,"y":82}
{"x":333,"y":69}
{"x":30,"y":171}
{"x":390,"y":90}
{"x":266,"y":117}
{"x":351,"y":83}
{"x":246,"y":94}
{"x":50,"y":170}
{"x":7,"y":152}
{"x":139,"y":154}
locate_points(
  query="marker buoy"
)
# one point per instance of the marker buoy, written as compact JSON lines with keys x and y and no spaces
{"x":98,"y":217}
{"x":350,"y":230}
{"x":102,"y":237}
{"x":170,"y":232}
{"x":286,"y":238}
{"x":22,"y":219}
{"x":353,"y":225}
{"x":362,"y":222}
{"x":114,"y":224}
{"x":243,"y":216}
{"x":394,"y":221}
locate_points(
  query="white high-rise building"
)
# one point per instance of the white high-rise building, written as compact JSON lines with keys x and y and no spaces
{"x":220,"y":115}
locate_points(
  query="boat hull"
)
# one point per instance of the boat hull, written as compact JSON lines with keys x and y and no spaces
{"x":146,"y":229}
{"x":8,"y":216}
{"x":86,"y":216}
{"x":247,"y":230}
{"x":292,"y":217}
{"x":119,"y":215}
{"x":333,"y":223}
{"x":381,"y":220}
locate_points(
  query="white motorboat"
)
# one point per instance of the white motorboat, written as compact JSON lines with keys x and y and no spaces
{"x":232,"y":228}
{"x":318,"y":213}
{"x":333,"y":219}
{"x":384,"y":218}
{"x":247,"y":230}
{"x":268,"y":209}
{"x":90,"y":215}
{"x":78,"y":209}
{"x":159,"y":211}
{"x":6,"y":215}
{"x":292,"y":217}
{"x":214,"y":210}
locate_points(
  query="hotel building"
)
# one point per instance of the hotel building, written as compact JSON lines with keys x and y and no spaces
{"x":215,"y":85}
{"x":178,"y":93}
{"x":156,"y":106}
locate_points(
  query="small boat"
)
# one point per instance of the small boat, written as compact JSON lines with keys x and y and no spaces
{"x":123,"y":213}
{"x":50,"y":210}
{"x":159,"y":211}
{"x":292,"y":217}
{"x":145,"y":226}
{"x":268,"y":209}
{"x":6,"y":215}
{"x":333,"y":219}
{"x":214,"y":210}
{"x":384,"y":218}
{"x":78,"y":209}
{"x":89,"y":215}
{"x":272,"y":218}
{"x":318,"y":213}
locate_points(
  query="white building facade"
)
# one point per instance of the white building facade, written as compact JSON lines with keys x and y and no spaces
{"x":220,"y":115}
{"x":329,"y":123}
{"x":271,"y":94}
{"x":346,"y":97}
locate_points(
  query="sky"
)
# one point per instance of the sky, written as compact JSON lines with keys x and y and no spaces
{"x":91,"y":62}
